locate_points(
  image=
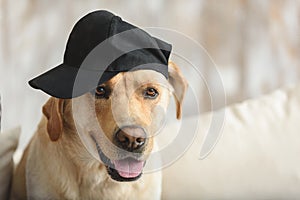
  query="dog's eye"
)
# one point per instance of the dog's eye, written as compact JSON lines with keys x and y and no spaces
{"x":100,"y":92}
{"x":150,"y":93}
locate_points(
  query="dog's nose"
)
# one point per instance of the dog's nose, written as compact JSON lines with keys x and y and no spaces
{"x":131,"y":138}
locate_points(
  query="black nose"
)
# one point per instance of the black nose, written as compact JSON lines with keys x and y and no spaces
{"x":130,"y":138}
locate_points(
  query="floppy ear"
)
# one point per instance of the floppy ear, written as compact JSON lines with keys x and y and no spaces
{"x":53,"y":112}
{"x":179,"y":84}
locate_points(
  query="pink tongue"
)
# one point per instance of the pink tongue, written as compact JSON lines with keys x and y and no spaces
{"x":129,"y":168}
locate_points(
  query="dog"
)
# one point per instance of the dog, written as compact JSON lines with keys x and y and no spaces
{"x":129,"y":109}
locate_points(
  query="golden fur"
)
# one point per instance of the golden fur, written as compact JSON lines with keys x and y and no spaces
{"x":57,"y":165}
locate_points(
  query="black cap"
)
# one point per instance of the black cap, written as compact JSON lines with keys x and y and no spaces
{"x":99,"y":47}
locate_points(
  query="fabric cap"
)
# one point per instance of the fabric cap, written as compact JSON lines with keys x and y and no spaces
{"x":100,"y":46}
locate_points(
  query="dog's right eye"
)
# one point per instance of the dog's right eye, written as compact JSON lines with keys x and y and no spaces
{"x":150,"y":93}
{"x":100,"y":92}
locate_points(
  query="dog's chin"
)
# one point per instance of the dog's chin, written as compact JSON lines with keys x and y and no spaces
{"x":123,"y":170}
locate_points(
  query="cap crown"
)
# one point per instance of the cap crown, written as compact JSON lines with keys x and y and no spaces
{"x":98,"y":26}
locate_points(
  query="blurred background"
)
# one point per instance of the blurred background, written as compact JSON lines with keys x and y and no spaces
{"x":255,"y":45}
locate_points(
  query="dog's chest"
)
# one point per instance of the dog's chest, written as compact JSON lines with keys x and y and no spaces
{"x":110,"y":190}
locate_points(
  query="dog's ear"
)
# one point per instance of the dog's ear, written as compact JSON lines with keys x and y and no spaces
{"x":179,"y":84}
{"x":53,"y":112}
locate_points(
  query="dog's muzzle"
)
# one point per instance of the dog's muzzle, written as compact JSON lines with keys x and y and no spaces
{"x":128,"y":168}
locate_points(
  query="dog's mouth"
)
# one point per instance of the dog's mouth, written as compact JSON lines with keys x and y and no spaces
{"x":129,"y":167}
{"x":123,"y":170}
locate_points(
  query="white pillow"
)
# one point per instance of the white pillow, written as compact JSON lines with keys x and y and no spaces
{"x":257,"y":156}
{"x":8,"y":144}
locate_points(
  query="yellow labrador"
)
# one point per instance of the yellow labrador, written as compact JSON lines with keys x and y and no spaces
{"x":129,"y":110}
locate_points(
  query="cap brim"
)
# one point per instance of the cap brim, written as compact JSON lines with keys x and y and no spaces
{"x":68,"y":82}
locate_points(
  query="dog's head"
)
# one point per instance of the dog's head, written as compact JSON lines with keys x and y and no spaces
{"x":117,"y":121}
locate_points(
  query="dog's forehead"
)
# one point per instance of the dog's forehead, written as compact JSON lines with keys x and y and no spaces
{"x":140,"y":77}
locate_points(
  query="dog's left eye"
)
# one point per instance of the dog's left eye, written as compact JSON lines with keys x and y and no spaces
{"x":100,"y":92}
{"x":150,"y":93}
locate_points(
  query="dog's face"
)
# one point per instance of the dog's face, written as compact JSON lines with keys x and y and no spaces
{"x":117,"y":121}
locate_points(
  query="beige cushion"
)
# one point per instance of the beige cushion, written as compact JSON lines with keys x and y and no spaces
{"x":257,"y":156}
{"x":8,"y":145}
